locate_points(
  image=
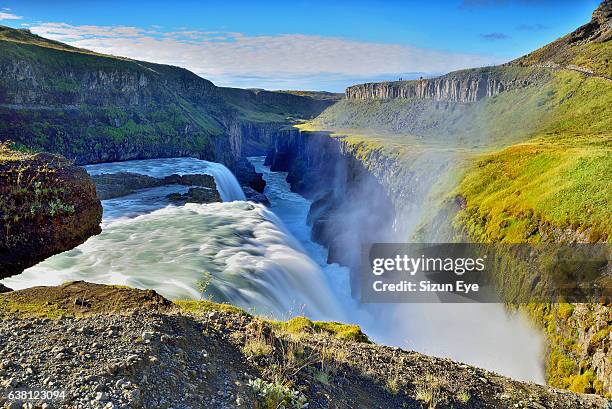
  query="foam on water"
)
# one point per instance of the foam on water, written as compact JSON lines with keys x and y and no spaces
{"x":264,"y":260}
{"x":252,"y":261}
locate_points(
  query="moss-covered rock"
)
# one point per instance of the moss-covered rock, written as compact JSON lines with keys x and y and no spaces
{"x":47,"y":205}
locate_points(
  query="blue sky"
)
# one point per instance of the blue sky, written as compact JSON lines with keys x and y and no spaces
{"x":305,"y":44}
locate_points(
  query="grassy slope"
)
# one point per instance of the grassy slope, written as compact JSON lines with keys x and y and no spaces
{"x":559,"y":177}
{"x":545,"y":150}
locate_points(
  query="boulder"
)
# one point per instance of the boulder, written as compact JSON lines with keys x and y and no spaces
{"x":246,"y":175}
{"x":111,"y":185}
{"x":190,"y":180}
{"x":254,"y":196}
{"x":196,"y":195}
{"x":47,"y":206}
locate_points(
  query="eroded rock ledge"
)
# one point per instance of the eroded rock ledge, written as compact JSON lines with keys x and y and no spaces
{"x":47,"y":206}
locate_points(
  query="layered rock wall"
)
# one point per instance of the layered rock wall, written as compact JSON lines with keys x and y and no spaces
{"x":461,"y":86}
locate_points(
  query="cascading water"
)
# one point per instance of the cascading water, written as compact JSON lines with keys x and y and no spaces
{"x":227,"y":184}
{"x":264,"y":260}
{"x":146,"y":242}
{"x":479,"y":334}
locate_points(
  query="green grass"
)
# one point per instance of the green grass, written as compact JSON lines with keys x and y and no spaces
{"x":542,"y":154}
{"x":596,"y":57}
{"x":9,"y":308}
{"x":339,"y":330}
{"x":562,"y":102}
{"x":204,"y":306}
{"x":297,"y":325}
{"x":539,"y":183}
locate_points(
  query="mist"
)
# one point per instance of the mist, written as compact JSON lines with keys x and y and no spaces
{"x":485,"y":335}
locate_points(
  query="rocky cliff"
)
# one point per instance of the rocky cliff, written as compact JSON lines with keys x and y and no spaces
{"x":96,"y":108}
{"x":47,"y":206}
{"x":460,"y":86}
{"x":582,"y":50}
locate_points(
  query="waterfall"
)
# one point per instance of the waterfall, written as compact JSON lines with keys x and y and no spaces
{"x":227,"y":184}
{"x":240,"y":248}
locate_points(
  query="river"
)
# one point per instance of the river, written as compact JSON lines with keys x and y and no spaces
{"x":264,"y":260}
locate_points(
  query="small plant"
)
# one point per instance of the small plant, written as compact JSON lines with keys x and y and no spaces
{"x":257,"y":345}
{"x":57,"y":207}
{"x":463,"y":397}
{"x":394,"y":381}
{"x":429,"y":392}
{"x":203,"y":284}
{"x":321,"y":376}
{"x":277,"y":395}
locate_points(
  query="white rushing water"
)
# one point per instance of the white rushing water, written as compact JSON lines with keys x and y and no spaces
{"x":264,"y":260}
{"x":227,"y":185}
{"x":485,"y":335}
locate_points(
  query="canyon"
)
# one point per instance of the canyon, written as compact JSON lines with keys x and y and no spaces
{"x":400,"y":160}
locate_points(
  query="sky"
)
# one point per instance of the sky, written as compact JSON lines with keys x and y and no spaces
{"x":311,"y":45}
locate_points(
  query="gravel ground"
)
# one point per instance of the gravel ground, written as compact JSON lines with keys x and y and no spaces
{"x":148,"y":353}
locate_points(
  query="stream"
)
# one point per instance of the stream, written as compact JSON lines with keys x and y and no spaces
{"x":263,"y":259}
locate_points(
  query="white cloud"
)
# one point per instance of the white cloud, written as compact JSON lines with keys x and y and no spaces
{"x":9,"y":16}
{"x":230,"y":58}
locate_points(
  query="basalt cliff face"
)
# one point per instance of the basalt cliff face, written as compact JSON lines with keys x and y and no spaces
{"x":47,"y":206}
{"x":461,"y":86}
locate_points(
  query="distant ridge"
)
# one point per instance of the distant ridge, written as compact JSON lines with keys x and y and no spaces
{"x":585,"y":49}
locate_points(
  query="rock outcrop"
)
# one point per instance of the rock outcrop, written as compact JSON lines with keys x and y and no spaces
{"x":112,"y":185}
{"x":47,"y":206}
{"x":581,"y":50}
{"x":196,"y":195}
{"x":254,"y":196}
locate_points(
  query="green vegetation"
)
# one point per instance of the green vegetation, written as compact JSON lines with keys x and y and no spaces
{"x":324,"y":95}
{"x":94,"y":107}
{"x":277,"y":395}
{"x":561,"y":102}
{"x":571,"y":50}
{"x":205,"y":306}
{"x":429,"y":392}
{"x":10,"y":307}
{"x":295,"y":325}
{"x":31,"y":189}
{"x":531,"y":189}
{"x":299,"y":325}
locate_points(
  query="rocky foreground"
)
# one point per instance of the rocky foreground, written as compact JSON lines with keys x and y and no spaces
{"x":110,"y":347}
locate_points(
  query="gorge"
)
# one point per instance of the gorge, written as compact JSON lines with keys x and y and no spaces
{"x":454,"y":158}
